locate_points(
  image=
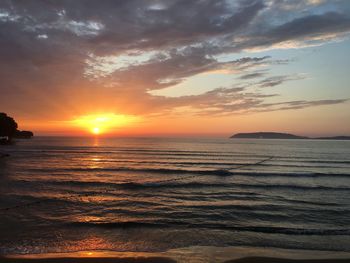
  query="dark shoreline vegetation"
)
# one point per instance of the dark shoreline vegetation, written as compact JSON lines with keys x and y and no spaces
{"x":9,"y":131}
{"x":278,"y":135}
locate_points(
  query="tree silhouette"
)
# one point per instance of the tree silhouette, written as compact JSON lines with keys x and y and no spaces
{"x":8,"y":126}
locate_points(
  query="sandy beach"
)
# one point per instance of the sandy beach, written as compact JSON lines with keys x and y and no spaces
{"x":88,"y":260}
{"x":161,"y":260}
{"x":281,"y":260}
{"x":184,"y":255}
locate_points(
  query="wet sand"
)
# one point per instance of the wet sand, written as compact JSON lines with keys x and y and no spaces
{"x":160,"y":260}
{"x":87,"y":260}
{"x":280,"y":260}
{"x":186,"y":255}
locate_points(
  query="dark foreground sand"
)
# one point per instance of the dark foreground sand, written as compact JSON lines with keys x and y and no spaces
{"x":161,"y":260}
{"x":279,"y":260}
{"x":88,"y":260}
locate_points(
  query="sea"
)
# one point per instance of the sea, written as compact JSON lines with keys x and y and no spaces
{"x":65,"y":194}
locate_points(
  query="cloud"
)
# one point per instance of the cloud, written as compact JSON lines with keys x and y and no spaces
{"x":304,"y":31}
{"x":301,"y":104}
{"x":112,"y":54}
{"x":225,"y":101}
{"x":253,"y":75}
{"x":278,"y":80}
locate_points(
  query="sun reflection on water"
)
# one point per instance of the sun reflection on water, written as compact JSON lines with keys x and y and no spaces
{"x":96,"y":142}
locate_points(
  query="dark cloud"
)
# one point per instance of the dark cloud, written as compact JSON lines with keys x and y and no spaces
{"x":253,"y":75}
{"x":301,"y":104}
{"x":292,"y":105}
{"x":161,"y":73}
{"x":307,"y":30}
{"x":225,"y":101}
{"x":330,"y":22}
{"x":57,"y":51}
{"x":278,"y":80}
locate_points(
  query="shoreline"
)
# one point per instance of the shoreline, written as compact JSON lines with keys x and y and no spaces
{"x":184,"y":255}
{"x":161,"y":260}
{"x":89,"y":260}
{"x":285,"y":260}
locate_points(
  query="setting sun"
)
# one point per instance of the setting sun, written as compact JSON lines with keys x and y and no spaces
{"x":96,"y":130}
{"x":103,"y":123}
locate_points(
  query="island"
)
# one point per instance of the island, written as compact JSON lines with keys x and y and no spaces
{"x":279,"y":135}
{"x":266,"y":135}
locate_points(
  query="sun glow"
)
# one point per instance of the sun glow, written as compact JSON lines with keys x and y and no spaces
{"x":96,"y":130}
{"x":103,"y":123}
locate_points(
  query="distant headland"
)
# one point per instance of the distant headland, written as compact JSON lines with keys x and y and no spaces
{"x":278,"y":135}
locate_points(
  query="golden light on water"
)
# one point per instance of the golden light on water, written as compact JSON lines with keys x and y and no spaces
{"x":103,"y":123}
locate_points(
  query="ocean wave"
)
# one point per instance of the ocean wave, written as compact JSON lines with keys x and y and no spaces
{"x":176,"y":183}
{"x":291,"y":174}
{"x":139,"y":170}
{"x":304,"y":165}
{"x":215,"y":172}
{"x":259,"y":229}
{"x":129,"y":224}
{"x":149,"y":153}
{"x":288,"y":231}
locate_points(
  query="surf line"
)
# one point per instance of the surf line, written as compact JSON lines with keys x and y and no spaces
{"x":223,"y":171}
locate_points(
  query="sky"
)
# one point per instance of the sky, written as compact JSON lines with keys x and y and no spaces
{"x":177,"y":67}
